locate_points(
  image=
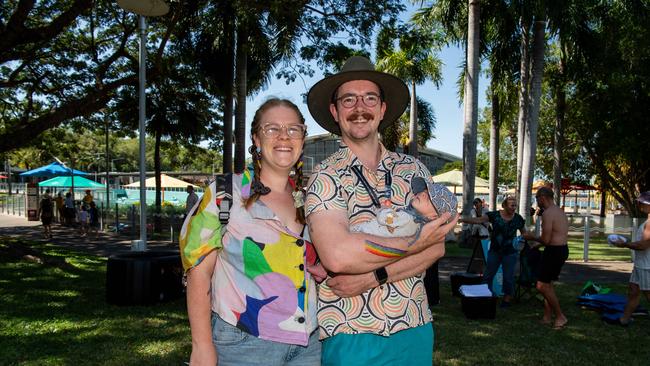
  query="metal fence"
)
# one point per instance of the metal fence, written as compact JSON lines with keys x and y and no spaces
{"x":13,"y":205}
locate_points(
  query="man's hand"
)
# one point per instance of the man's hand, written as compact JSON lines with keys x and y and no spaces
{"x":434,"y":232}
{"x":352,"y":285}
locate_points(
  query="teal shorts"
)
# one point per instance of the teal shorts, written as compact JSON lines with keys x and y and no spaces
{"x":410,"y":347}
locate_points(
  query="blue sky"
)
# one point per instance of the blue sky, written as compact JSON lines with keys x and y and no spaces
{"x":448,"y":110}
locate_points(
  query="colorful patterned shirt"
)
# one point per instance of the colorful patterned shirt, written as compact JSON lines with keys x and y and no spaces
{"x":503,"y":232}
{"x":260,"y":283}
{"x":384,"y":309}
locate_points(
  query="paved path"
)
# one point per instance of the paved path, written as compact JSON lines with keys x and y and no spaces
{"x":103,"y":245}
{"x":110,"y":243}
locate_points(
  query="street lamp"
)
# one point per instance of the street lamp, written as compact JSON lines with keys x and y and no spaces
{"x":152,"y":8}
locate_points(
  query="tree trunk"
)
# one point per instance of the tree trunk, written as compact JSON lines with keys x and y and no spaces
{"x":471,"y":106}
{"x":494,"y":147}
{"x":413,"y":124}
{"x":558,"y":143}
{"x":530,"y":139}
{"x":522,"y":119}
{"x":157,"y":169}
{"x":240,"y":112}
{"x":228,"y":98}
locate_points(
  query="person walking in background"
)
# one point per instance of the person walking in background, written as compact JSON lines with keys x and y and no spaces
{"x":251,"y":298}
{"x":640,"y":278}
{"x":84,"y":220}
{"x":60,"y":207}
{"x":555,"y":231}
{"x":93,"y":212}
{"x":192,"y":198}
{"x":505,"y":223}
{"x":46,"y":213}
{"x":70,"y":211}
{"x":87,"y":198}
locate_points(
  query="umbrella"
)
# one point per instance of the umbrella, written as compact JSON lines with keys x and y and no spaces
{"x":455,"y":178}
{"x":54,"y":169}
{"x":65,"y":182}
{"x":165,"y":181}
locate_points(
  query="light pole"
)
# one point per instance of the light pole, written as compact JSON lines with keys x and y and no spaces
{"x":152,"y":8}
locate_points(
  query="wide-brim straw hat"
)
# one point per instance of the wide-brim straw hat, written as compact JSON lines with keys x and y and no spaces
{"x":394,"y":92}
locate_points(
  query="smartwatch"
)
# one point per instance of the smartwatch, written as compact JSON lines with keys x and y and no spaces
{"x":381,"y":275}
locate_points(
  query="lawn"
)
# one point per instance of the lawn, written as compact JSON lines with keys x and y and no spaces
{"x":55,"y":314}
{"x":599,"y":250}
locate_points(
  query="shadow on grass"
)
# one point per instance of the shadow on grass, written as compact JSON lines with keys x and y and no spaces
{"x":57,"y":315}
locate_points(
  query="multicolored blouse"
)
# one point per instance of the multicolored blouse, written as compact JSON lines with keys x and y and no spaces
{"x":503,"y":232}
{"x":384,"y":309}
{"x":260,"y":283}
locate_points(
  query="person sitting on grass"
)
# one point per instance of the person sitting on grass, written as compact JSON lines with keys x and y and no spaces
{"x":640,"y":278}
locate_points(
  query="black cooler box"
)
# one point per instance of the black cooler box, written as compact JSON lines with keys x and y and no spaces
{"x":479,"y":307}
{"x":462,"y":278}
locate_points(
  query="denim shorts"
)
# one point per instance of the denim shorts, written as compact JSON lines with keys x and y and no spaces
{"x":236,"y":347}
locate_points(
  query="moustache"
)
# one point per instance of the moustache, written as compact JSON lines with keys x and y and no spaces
{"x":363,"y":115}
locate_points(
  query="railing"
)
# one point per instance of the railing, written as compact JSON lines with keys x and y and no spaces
{"x":13,"y":205}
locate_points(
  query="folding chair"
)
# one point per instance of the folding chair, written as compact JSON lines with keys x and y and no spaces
{"x":528,"y":271}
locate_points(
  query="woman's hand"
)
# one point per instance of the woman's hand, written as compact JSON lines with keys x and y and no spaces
{"x":317,"y":271}
{"x":203,"y":355}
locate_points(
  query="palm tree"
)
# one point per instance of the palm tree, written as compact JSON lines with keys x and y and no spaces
{"x":530,"y":136}
{"x":471,"y":105}
{"x":414,"y":62}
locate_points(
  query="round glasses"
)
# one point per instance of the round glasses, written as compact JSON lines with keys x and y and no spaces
{"x":273,"y":130}
{"x":349,"y":101}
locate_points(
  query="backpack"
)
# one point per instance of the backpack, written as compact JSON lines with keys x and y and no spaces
{"x":199,"y":235}
{"x":224,"y":193}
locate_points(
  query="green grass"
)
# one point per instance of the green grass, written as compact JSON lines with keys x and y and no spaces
{"x":516,"y":338}
{"x":55,"y":314}
{"x":599,"y":250}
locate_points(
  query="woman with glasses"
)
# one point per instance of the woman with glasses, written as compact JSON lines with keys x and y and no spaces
{"x":251,"y":299}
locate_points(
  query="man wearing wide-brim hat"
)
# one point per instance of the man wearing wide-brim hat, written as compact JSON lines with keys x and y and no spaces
{"x":373,"y":307}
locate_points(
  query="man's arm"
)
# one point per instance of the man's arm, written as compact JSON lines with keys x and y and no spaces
{"x":352,"y":285}
{"x":547,"y":230}
{"x":341,"y":251}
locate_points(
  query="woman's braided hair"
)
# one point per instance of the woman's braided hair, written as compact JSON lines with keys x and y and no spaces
{"x":257,"y":187}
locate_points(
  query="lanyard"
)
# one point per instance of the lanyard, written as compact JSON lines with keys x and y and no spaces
{"x":388,"y":179}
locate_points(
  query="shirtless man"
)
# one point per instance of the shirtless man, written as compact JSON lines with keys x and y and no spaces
{"x":555,"y":229}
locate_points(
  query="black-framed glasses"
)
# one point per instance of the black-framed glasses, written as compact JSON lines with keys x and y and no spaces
{"x":273,"y":130}
{"x":350,"y":100}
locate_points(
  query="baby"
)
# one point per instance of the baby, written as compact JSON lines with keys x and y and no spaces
{"x":429,"y":201}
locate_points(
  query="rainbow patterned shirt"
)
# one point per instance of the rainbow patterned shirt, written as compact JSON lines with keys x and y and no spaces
{"x":385,"y":309}
{"x":260,"y":283}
